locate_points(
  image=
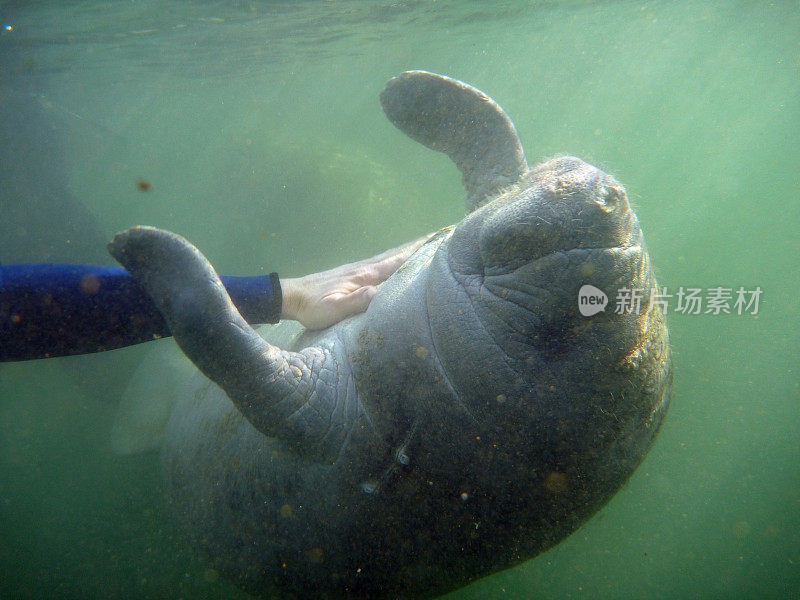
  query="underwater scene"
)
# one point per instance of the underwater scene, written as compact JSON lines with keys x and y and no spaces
{"x":258,"y":131}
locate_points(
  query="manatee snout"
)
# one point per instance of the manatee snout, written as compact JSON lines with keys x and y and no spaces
{"x":564,"y":206}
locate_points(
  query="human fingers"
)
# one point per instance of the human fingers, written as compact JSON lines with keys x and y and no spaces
{"x":336,"y":307}
{"x":375,"y":270}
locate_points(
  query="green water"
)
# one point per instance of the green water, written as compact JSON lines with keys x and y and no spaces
{"x":259,"y":129}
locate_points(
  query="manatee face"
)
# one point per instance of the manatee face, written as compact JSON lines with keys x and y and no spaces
{"x":513,"y":269}
{"x":472,"y":418}
{"x":562,"y":207}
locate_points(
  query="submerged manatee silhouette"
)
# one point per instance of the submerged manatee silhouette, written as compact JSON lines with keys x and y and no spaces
{"x":469,"y":420}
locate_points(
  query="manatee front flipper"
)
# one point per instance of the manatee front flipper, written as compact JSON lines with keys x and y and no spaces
{"x":288,"y":395}
{"x":452,"y":117}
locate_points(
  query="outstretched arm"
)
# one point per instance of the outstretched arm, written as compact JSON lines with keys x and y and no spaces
{"x":49,"y":310}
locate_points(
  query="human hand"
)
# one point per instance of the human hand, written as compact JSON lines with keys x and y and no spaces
{"x":321,"y":299}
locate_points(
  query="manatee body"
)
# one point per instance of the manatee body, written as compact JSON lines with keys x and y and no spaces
{"x":469,"y":420}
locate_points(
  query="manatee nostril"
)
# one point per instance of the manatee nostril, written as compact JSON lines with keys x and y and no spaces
{"x":607,"y":196}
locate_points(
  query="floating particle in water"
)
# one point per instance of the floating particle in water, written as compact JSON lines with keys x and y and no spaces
{"x":8,"y":28}
{"x":143,"y":185}
{"x":556,"y":482}
{"x":90,"y":285}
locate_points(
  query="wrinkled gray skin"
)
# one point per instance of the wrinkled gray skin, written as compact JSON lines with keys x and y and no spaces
{"x":469,"y":420}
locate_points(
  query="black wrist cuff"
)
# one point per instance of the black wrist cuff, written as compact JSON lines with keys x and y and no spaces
{"x":276,"y":302}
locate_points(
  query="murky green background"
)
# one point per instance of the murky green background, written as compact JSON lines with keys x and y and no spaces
{"x":258,"y":127}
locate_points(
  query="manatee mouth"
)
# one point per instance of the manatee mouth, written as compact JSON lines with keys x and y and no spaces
{"x":578,"y":256}
{"x":566,"y":224}
{"x":530,"y":240}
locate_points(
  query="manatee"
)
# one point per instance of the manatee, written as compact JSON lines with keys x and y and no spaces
{"x":470,"y":419}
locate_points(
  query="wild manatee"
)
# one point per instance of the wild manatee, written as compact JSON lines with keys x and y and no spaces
{"x":470,"y":419}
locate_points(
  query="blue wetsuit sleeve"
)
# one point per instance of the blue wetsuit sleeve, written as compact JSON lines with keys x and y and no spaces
{"x":49,"y":310}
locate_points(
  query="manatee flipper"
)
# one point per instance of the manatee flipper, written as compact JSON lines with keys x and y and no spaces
{"x":288,"y":395}
{"x":450,"y":116}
